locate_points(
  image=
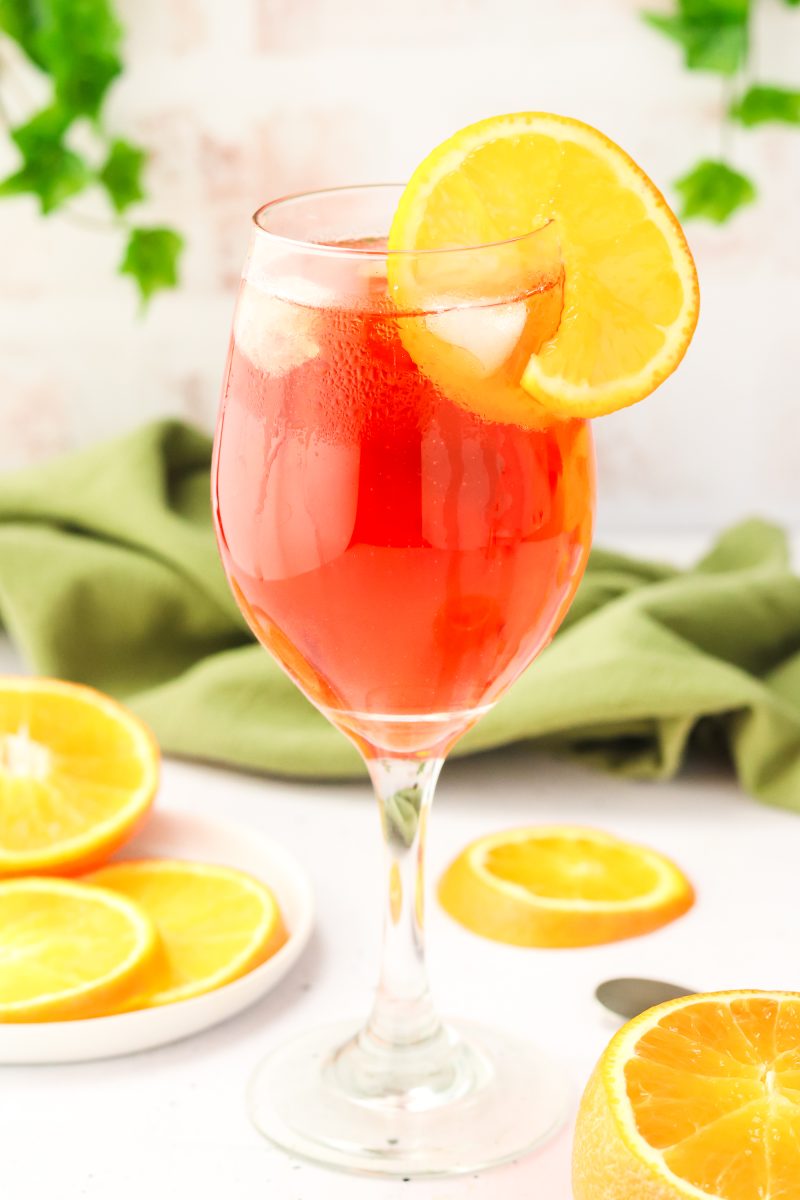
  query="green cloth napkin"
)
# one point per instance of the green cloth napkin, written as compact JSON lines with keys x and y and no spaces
{"x":109,"y":575}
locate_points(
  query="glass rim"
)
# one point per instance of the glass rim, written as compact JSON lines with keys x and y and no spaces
{"x":366,"y":251}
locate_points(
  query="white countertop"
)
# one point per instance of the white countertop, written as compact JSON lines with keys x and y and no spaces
{"x":172,"y":1122}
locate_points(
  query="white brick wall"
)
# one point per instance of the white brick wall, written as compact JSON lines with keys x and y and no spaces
{"x":241,"y":100}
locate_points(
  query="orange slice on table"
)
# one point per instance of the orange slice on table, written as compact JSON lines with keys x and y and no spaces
{"x":214,"y":923}
{"x":68,"y":950}
{"x":556,"y":886}
{"x":78,"y":772}
{"x":630,"y":291}
{"x":698,"y":1098}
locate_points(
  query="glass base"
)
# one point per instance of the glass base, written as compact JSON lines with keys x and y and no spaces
{"x":490,"y":1099}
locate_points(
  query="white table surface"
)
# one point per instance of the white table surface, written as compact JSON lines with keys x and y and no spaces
{"x":172,"y":1122}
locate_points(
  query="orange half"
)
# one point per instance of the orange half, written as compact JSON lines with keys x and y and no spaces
{"x":78,"y":773}
{"x":698,"y":1099}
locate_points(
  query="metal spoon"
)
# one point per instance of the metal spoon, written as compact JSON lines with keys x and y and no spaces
{"x":629,"y":997}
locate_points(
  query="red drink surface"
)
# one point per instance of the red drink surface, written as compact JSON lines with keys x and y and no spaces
{"x":397,"y":554}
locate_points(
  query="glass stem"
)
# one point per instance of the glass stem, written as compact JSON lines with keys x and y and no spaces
{"x":404,"y":1058}
{"x":403,"y":1012}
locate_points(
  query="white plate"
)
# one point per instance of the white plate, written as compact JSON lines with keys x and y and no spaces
{"x":181,"y":835}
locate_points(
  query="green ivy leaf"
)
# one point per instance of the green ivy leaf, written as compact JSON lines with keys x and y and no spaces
{"x":21,"y":19}
{"x":151,"y":257}
{"x":716,"y":9}
{"x":121,"y":174}
{"x":715,"y":191}
{"x":49,"y":169}
{"x":81,"y":43}
{"x":713,"y":33}
{"x":762,"y":103}
{"x":77,"y":42}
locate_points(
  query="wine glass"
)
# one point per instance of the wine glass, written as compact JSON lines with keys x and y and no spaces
{"x":403,"y":530}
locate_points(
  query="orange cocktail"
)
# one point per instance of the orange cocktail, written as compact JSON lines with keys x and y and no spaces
{"x":403,"y":490}
{"x":403,"y":558}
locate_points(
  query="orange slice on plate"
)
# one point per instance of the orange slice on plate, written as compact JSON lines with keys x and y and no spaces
{"x":557,"y":886}
{"x":698,"y":1099}
{"x":214,"y":923}
{"x":78,"y":773}
{"x":630,"y":298}
{"x":68,"y":950}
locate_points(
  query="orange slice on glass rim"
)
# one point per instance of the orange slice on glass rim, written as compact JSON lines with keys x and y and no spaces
{"x":561,"y":885}
{"x":629,"y":299}
{"x":78,"y":773}
{"x":214,"y":923}
{"x":698,"y":1099}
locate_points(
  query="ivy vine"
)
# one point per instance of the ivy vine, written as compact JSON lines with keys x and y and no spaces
{"x":76,"y":45}
{"x":715,"y":35}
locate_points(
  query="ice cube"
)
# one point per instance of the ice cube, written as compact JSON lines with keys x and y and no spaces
{"x":275,"y":487}
{"x":277,"y":328}
{"x":299,"y":289}
{"x":489,"y":332}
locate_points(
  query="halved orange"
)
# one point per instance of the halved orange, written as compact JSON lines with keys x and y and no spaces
{"x":215,"y":923}
{"x":561,"y":885}
{"x":78,"y":772}
{"x":630,"y":291}
{"x":68,"y":950}
{"x":698,"y":1098}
